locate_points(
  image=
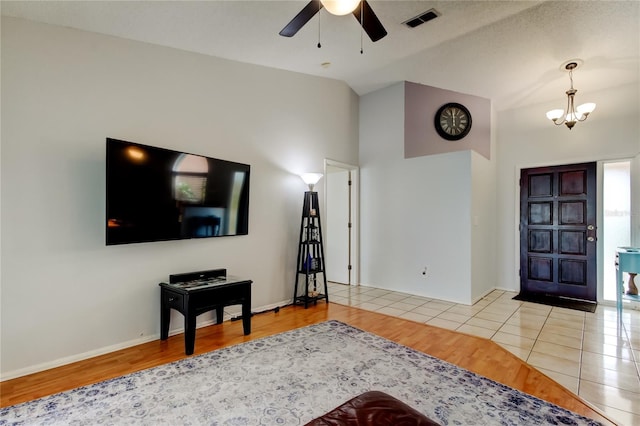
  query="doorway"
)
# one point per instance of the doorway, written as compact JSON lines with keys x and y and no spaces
{"x":558,"y":231}
{"x":341,"y":195}
{"x":616,"y":220}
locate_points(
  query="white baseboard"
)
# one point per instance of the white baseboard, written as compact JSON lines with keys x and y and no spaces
{"x":78,"y":357}
{"x":232,"y":313}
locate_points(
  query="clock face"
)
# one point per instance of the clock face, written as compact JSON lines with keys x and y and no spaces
{"x":453,"y":121}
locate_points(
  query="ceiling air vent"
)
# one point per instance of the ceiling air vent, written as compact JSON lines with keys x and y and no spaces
{"x":422,"y":18}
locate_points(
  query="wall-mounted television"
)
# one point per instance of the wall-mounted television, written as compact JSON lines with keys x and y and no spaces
{"x":157,"y":194}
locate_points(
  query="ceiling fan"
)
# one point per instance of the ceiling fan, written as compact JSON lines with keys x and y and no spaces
{"x":360,"y":9}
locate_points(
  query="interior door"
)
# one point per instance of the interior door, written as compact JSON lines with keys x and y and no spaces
{"x":339,"y":238}
{"x":558,"y":231}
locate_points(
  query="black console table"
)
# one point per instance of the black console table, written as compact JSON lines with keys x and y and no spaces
{"x":198,"y":292}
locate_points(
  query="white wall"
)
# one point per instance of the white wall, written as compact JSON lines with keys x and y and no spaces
{"x":611,"y":132}
{"x":65,"y":295}
{"x":483,"y":225}
{"x":413,"y":212}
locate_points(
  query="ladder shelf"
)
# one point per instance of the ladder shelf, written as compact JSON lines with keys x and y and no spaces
{"x":310,"y":265}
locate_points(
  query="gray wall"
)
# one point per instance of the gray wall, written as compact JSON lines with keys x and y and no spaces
{"x":415,"y":212}
{"x":65,"y":295}
{"x":421,"y":138}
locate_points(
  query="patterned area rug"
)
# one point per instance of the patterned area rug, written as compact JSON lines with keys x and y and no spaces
{"x":289,"y":379}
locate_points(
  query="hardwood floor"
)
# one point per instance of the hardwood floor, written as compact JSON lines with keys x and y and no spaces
{"x":479,"y":355}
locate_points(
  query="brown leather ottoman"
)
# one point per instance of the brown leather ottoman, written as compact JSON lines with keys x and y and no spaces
{"x":373,"y":408}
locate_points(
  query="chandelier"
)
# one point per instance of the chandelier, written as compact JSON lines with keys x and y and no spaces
{"x":571,"y":115}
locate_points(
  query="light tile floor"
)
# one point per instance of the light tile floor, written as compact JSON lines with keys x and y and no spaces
{"x":592,"y":354}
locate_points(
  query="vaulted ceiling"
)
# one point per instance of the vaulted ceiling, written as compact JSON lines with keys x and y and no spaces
{"x":507,"y":51}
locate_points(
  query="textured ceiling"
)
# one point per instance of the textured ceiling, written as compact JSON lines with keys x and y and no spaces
{"x":507,"y":51}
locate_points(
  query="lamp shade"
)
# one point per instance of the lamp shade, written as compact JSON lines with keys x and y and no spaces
{"x":554,"y":114}
{"x":311,"y":179}
{"x":586,"y":109}
{"x":340,"y":7}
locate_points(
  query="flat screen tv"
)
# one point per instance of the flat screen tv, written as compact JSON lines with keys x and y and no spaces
{"x":157,"y":194}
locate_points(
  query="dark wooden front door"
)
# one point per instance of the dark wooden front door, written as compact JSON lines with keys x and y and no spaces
{"x":558,"y":231}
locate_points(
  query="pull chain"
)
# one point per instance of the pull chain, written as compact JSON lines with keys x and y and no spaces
{"x":319,"y":8}
{"x":361,"y":26}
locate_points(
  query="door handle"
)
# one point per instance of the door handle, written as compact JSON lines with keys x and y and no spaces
{"x":590,"y":239}
{"x":591,"y":231}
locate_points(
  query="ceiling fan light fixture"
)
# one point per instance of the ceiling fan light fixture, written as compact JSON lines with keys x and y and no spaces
{"x":340,"y":7}
{"x":360,"y":9}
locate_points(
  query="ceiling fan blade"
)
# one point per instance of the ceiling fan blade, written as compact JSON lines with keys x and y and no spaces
{"x":301,"y":18}
{"x":369,"y":21}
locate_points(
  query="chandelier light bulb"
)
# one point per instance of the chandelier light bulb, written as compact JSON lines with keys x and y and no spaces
{"x":340,"y":7}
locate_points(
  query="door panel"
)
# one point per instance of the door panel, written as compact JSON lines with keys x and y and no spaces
{"x":557,"y":231}
{"x":338,"y":232}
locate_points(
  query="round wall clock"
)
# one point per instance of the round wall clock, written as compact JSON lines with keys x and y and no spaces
{"x":452,"y":121}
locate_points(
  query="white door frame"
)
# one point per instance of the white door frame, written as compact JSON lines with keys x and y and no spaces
{"x":355,"y":213}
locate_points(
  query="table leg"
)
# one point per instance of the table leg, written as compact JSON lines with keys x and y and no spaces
{"x":619,"y":292}
{"x":165,"y":318}
{"x":246,"y":316}
{"x":189,"y":333}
